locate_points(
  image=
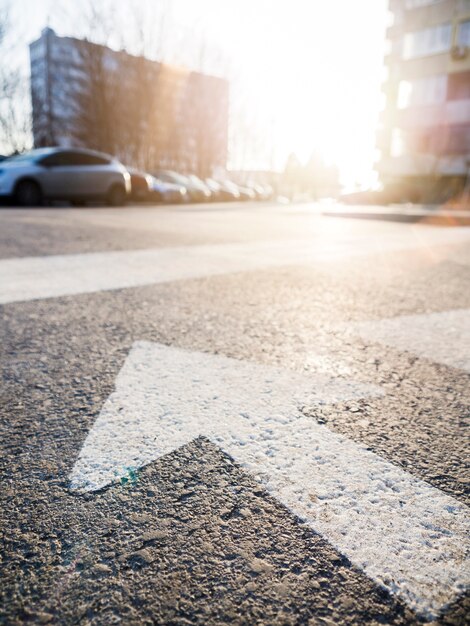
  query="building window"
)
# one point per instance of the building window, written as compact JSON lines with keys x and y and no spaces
{"x":414,"y":4}
{"x":464,"y":34}
{"x":428,"y":41}
{"x":37,"y":50}
{"x":422,"y":92}
{"x":397,"y":146}
{"x":404,"y":94}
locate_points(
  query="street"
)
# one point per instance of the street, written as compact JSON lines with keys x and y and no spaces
{"x":233,"y":413}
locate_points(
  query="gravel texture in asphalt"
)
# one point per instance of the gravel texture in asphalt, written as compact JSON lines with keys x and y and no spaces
{"x":192,"y":538}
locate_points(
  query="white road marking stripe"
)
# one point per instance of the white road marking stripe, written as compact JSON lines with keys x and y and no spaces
{"x":442,"y":337}
{"x":32,"y":278}
{"x":405,"y":534}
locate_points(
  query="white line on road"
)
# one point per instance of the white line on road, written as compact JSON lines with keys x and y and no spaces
{"x":405,"y":534}
{"x":32,"y":278}
{"x":442,"y":337}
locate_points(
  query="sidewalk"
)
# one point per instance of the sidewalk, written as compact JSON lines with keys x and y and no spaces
{"x":403,"y":213}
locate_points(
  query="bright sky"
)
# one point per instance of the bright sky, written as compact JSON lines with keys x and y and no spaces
{"x":306,"y":73}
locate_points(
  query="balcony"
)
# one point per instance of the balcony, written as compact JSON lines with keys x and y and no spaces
{"x":447,"y":114}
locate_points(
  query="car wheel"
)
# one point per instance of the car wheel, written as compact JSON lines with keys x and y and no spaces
{"x":28,"y":193}
{"x":116,"y":196}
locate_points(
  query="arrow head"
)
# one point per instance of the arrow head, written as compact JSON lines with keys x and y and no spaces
{"x":165,"y":397}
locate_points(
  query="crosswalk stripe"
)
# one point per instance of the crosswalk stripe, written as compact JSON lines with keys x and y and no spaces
{"x":31,"y":278}
{"x":443,"y":337}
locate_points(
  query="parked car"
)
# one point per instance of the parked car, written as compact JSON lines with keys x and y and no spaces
{"x":230,"y":189}
{"x":246,"y":193}
{"x":222,"y":192}
{"x":196,"y":191}
{"x":76,"y":175}
{"x":199,"y":185}
{"x":163,"y":191}
{"x":268,"y":192}
{"x":141,"y":185}
{"x":262,"y":192}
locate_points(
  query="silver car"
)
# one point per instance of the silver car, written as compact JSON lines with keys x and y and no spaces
{"x":77,"y":175}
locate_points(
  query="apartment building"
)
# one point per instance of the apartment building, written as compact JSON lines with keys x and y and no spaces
{"x":425,"y":132}
{"x":149,"y":114}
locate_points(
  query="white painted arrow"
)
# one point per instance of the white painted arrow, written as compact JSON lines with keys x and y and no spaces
{"x":405,"y":534}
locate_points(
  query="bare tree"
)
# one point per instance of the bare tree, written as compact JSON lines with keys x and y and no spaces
{"x":15,"y":118}
{"x":115,"y":105}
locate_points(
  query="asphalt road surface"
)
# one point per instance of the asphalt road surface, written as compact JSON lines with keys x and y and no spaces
{"x":239,"y":414}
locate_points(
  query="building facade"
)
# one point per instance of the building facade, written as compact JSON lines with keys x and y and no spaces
{"x":424,"y":139}
{"x":149,"y":114}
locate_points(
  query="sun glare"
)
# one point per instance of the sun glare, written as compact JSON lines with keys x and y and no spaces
{"x":312,"y":70}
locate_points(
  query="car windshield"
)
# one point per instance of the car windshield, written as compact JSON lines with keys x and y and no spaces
{"x":197,"y":182}
{"x":28,"y":157}
{"x":172,"y":177}
{"x":228,"y":184}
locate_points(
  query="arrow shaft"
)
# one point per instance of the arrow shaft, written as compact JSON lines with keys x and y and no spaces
{"x":405,"y":534}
